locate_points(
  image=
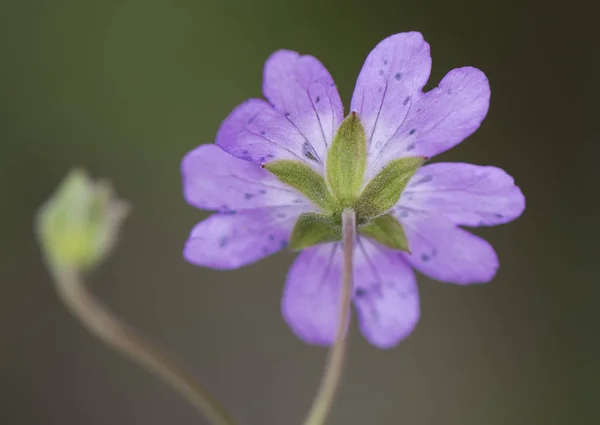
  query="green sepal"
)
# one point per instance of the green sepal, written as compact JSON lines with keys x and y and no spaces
{"x":387,"y":231}
{"x":384,"y":190}
{"x":347,"y":160}
{"x":312,"y":229}
{"x":303,"y":178}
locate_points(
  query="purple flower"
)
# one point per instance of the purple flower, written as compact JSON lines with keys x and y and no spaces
{"x":256,"y":212}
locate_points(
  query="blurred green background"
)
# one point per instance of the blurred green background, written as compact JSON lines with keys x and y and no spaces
{"x":126,"y":87}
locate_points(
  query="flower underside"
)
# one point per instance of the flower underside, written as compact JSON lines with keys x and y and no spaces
{"x":343,"y":188}
{"x":316,"y":165}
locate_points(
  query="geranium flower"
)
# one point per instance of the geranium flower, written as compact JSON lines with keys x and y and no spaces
{"x":283,"y":169}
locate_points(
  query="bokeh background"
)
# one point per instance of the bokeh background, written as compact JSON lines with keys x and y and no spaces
{"x":126,"y":87}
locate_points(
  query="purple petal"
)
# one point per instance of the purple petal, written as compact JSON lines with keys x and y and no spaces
{"x":439,"y":119}
{"x":467,"y":194}
{"x":229,"y":241}
{"x":311,"y":296}
{"x":255,"y":132}
{"x":445,"y":252}
{"x":216,"y":180}
{"x":300,"y":88}
{"x":386,"y":297}
{"x":389,"y":83}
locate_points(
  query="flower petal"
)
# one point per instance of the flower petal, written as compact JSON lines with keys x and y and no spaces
{"x":311,"y":297}
{"x":256,"y":132}
{"x":469,"y":195}
{"x":228,"y":241}
{"x":386,"y":296}
{"x":301,"y":89}
{"x":216,"y":180}
{"x":445,"y":252}
{"x":439,"y":119}
{"x":388,"y":85}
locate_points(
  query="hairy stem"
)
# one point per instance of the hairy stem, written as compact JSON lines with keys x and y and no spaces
{"x":102,"y":323}
{"x":335,"y":362}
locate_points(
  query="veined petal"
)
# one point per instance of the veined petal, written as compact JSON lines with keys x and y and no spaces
{"x":443,"y":117}
{"x":445,"y":252}
{"x":386,"y":295}
{"x":392,"y":76}
{"x":256,"y":132}
{"x":229,"y":241}
{"x":467,"y":194}
{"x":439,"y":119}
{"x":310,"y":300}
{"x":216,"y":180}
{"x":301,"y":89}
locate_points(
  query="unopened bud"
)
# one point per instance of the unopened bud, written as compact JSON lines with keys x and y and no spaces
{"x":78,"y":225}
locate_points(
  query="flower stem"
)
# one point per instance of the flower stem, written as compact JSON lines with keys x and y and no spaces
{"x":335,"y":362}
{"x":102,"y":323}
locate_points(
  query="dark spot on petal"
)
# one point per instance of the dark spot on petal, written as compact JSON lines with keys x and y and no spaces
{"x":229,"y":212}
{"x":361,"y":293}
{"x":246,"y":158}
{"x":317,"y":99}
{"x":406,"y":100}
{"x":283,"y":244}
{"x":265,"y":249}
{"x":377,"y":289}
{"x":248,"y":196}
{"x":262,"y":191}
{"x":270,"y":156}
{"x":449,"y":91}
{"x":332,"y":84}
{"x":223,"y":242}
{"x":403,"y":213}
{"x":410,"y":147}
{"x":385,"y":61}
{"x":381,"y":72}
{"x":404,"y":294}
{"x":425,"y":258}
{"x":263,"y":132}
{"x":287,"y":114}
{"x":245,"y":152}
{"x":263,"y":159}
{"x":271,"y":237}
{"x":310,"y":156}
{"x":307,"y":151}
{"x":297,"y":201}
{"x":422,"y":180}
{"x":498,"y":215}
{"x":398,"y":76}
{"x":411,"y":132}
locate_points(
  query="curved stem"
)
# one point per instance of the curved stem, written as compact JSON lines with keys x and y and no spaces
{"x":335,"y":361}
{"x":102,"y":323}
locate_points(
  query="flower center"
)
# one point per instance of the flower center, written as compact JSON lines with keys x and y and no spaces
{"x":343,"y":188}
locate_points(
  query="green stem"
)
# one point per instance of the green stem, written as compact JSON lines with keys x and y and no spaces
{"x":102,"y":323}
{"x":335,"y":362}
